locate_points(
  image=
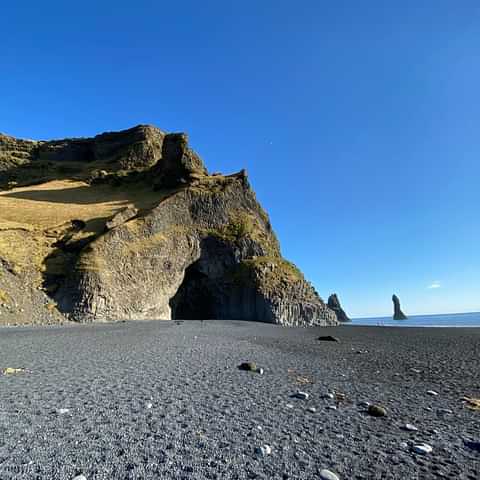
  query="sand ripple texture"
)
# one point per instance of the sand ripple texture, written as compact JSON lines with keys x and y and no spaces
{"x":149,"y":400}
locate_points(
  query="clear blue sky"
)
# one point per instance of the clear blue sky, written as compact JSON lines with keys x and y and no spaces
{"x":358,"y":122}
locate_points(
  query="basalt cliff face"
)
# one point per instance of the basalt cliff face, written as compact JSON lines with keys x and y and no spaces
{"x":130,"y":225}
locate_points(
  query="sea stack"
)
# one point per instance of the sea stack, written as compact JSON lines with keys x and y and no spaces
{"x":397,"y":311}
{"x":334,"y":304}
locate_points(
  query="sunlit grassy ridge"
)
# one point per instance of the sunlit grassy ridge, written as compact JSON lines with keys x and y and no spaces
{"x":33,"y":218}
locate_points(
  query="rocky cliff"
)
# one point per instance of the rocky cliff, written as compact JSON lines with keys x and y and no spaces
{"x":130,"y":225}
{"x":334,"y":304}
{"x":397,"y":311}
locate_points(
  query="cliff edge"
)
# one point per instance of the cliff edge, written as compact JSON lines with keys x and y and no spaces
{"x":130,"y":225}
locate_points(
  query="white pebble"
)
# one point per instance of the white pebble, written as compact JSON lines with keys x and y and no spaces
{"x":410,"y":427}
{"x":289,"y":405}
{"x":432,"y":392}
{"x":80,"y":477}
{"x":312,"y":409}
{"x":332,"y":407}
{"x":261,"y":371}
{"x":404,"y":444}
{"x":422,"y":448}
{"x":61,"y":411}
{"x":328,"y":475}
{"x":331,"y":396}
{"x":445,"y":410}
{"x":149,"y":405}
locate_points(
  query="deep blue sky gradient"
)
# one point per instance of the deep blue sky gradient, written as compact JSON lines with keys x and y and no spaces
{"x":358,"y":122}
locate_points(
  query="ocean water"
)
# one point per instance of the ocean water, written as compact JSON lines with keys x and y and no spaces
{"x":444,"y":320}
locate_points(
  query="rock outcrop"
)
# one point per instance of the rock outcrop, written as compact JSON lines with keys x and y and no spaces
{"x":183,"y":244}
{"x":334,"y":304}
{"x":397,"y":311}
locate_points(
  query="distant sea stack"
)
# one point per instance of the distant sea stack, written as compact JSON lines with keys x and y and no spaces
{"x":334,"y":304}
{"x":397,"y":311}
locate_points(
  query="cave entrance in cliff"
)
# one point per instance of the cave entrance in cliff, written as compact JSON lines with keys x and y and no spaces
{"x":193,"y":300}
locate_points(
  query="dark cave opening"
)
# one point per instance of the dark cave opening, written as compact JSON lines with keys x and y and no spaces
{"x":193,"y":300}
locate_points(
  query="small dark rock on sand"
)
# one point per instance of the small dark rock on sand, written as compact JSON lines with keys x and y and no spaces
{"x":377,"y":411}
{"x":328,"y":338}
{"x":248,"y":366}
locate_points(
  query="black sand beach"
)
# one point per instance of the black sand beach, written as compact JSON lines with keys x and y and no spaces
{"x":166,"y":400}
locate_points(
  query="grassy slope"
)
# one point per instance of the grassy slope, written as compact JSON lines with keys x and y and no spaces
{"x":32,"y":218}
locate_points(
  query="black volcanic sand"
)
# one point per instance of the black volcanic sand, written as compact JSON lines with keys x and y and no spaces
{"x":207,"y":416}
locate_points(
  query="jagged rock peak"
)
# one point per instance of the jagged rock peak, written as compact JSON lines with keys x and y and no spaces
{"x":144,"y":148}
{"x":334,"y":304}
{"x":397,"y":311}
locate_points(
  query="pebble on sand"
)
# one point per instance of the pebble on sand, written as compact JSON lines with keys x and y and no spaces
{"x":377,"y":411}
{"x":263,"y":451}
{"x":328,"y":338}
{"x":312,"y":409}
{"x":61,"y":411}
{"x":80,"y":477}
{"x":149,"y":405}
{"x":248,"y":366}
{"x":410,"y":427}
{"x":328,"y":475}
{"x":432,"y":392}
{"x":422,"y":448}
{"x":301,"y":395}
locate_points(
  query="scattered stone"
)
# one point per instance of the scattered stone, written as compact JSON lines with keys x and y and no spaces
{"x":422,"y":448}
{"x":445,"y":411}
{"x":377,"y":411}
{"x":301,"y":395}
{"x":329,"y":396}
{"x":12,"y":371}
{"x":415,"y":370}
{"x":248,"y":366}
{"x":328,"y":475}
{"x":80,"y":477}
{"x":289,"y":405}
{"x":410,"y":427}
{"x":62,"y":411}
{"x":312,"y":409}
{"x":263,"y":451}
{"x":403,"y":444}
{"x":261,"y":371}
{"x":360,"y":352}
{"x":328,"y":338}
{"x":332,"y":407}
{"x":149,"y":405}
{"x":432,"y":392}
{"x":473,"y":445}
{"x":364,"y":404}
